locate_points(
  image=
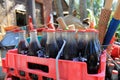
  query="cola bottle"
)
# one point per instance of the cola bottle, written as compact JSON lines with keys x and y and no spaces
{"x":114,"y":75}
{"x":109,"y":60}
{"x":118,"y":62}
{"x":64,"y":34}
{"x":58,"y":36}
{"x":110,"y":68}
{"x":118,"y":74}
{"x":34,"y":46}
{"x":51,"y":44}
{"x":93,"y":57}
{"x":44,"y":38}
{"x":70,"y":51}
{"x":117,"y":59}
{"x":23,"y":44}
{"x":97,"y":42}
{"x":117,"y":65}
{"x":82,"y":42}
{"x":34,"y":50}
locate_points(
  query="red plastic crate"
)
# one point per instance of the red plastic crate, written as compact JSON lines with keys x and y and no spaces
{"x":68,"y":70}
{"x":115,"y":51}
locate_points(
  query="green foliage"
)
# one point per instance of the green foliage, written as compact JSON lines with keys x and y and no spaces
{"x":118,"y":33}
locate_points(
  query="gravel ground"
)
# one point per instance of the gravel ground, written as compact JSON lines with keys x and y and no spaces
{"x":2,"y":75}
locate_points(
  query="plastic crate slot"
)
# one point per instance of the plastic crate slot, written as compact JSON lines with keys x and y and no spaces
{"x":21,"y":73}
{"x":34,"y":66}
{"x":47,"y":78}
{"x":33,"y":76}
{"x":15,"y":78}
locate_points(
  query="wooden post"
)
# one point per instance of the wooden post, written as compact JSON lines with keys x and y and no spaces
{"x":71,"y":6}
{"x":7,"y":13}
{"x":108,"y":4}
{"x":30,"y":4}
{"x":59,"y":9}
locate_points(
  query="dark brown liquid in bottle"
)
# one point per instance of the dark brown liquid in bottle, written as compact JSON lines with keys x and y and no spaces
{"x":52,"y":50}
{"x":33,"y":49}
{"x":59,"y":42}
{"x":81,"y":48}
{"x":92,"y":58}
{"x":43,"y":41}
{"x":22,"y":47}
{"x":70,"y":51}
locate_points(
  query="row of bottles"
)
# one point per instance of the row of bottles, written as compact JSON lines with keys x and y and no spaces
{"x":82,"y":45}
{"x":112,"y":70}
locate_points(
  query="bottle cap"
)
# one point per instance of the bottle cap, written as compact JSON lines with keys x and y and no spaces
{"x":111,"y":64}
{"x":41,"y":29}
{"x":81,"y":30}
{"x":91,"y":30}
{"x":117,"y":59}
{"x":22,"y":31}
{"x":114,"y":72}
{"x":50,"y":30}
{"x":64,"y":30}
{"x":44,"y":30}
{"x":118,"y":62}
{"x":59,"y":30}
{"x":33,"y":30}
{"x":70,"y":30}
{"x":109,"y":59}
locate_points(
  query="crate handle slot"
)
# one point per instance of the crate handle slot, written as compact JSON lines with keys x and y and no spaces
{"x":34,"y":66}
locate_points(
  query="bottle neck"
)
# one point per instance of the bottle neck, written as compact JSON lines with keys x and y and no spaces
{"x":33,"y":36}
{"x":58,"y":35}
{"x":114,"y":75}
{"x":64,"y":35}
{"x":81,"y":35}
{"x":22,"y":36}
{"x":44,"y":34}
{"x":51,"y":37}
{"x":70,"y":36}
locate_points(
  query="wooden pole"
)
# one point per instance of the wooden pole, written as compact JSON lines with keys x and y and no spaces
{"x":103,"y":20}
{"x":117,"y":12}
{"x":30,"y":4}
{"x":59,"y":9}
{"x":108,"y":4}
{"x":71,"y":6}
{"x":7,"y":13}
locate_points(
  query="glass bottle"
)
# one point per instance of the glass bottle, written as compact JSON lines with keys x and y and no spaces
{"x":64,"y":34}
{"x":70,"y":51}
{"x":97,"y":42}
{"x":114,"y":75}
{"x":107,"y":73}
{"x":44,"y":38}
{"x":109,"y":61}
{"x":58,"y":36}
{"x":34,"y":46}
{"x":23,"y":44}
{"x":51,"y":44}
{"x":82,"y":42}
{"x":117,"y":59}
{"x":92,"y":54}
{"x":118,"y":62}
